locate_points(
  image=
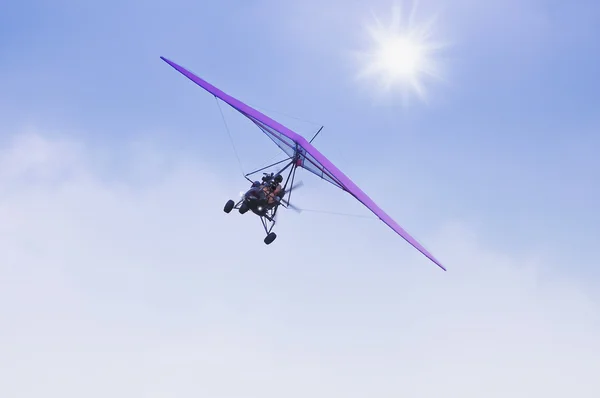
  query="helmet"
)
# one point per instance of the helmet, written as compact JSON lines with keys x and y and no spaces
{"x":278,"y":178}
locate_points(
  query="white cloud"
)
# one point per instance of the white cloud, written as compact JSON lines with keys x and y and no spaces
{"x":155,"y":292}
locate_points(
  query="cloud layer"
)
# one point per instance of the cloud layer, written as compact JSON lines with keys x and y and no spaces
{"x":149,"y":289}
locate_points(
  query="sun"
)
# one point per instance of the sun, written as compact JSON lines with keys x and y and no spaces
{"x":402,"y":55}
{"x":398,"y":57}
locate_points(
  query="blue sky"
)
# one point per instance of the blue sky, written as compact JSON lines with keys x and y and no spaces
{"x":502,"y":155}
{"x":507,"y":141}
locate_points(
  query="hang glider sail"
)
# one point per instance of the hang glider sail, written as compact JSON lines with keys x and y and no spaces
{"x":310,"y":158}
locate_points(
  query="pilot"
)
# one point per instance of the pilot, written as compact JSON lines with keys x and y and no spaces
{"x":274,"y":189}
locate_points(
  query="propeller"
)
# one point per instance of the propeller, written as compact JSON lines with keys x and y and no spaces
{"x":291,"y":206}
{"x":286,"y":203}
{"x":296,"y":185}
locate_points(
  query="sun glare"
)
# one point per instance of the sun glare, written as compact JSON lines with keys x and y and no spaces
{"x":399,"y":57}
{"x":402,"y":54}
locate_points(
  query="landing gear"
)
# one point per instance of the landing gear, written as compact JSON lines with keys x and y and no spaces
{"x":256,"y":201}
{"x":229,"y":206}
{"x":270,"y":238}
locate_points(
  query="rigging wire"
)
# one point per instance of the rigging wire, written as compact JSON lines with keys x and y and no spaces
{"x":230,"y":138}
{"x":233,"y":144}
{"x":263,"y":109}
{"x":273,"y":158}
{"x":339,"y":214}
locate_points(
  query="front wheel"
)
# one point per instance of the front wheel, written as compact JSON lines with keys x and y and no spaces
{"x":229,"y":206}
{"x":244,"y":208}
{"x":270,"y":238}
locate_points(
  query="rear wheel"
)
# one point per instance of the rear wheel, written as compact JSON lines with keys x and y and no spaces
{"x":229,"y":206}
{"x":270,"y":238}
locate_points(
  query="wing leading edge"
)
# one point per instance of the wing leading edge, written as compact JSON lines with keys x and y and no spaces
{"x":335,"y":175}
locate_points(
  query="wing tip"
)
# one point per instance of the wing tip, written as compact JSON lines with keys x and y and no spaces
{"x":167,"y":60}
{"x":436,"y":262}
{"x":433,"y":259}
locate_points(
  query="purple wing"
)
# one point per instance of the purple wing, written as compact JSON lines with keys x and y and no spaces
{"x":312,"y":159}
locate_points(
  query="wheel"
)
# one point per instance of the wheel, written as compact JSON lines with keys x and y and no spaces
{"x":229,"y":206}
{"x":244,"y":208}
{"x":270,"y":238}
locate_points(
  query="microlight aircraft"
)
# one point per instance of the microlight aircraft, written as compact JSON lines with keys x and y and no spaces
{"x":301,"y":154}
